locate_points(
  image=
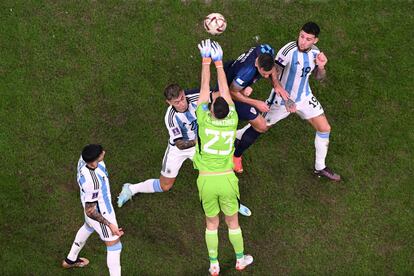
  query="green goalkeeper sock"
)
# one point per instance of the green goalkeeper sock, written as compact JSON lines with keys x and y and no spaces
{"x":236,"y":239}
{"x":212,"y":245}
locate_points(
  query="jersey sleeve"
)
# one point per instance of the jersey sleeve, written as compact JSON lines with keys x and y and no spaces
{"x":201,"y":113}
{"x":244,"y":76}
{"x":283,"y":57}
{"x":90,"y":187}
{"x":172,"y":125}
{"x":192,"y":94}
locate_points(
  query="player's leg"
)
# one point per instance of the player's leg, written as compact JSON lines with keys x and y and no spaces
{"x":249,"y":113}
{"x":112,"y":242}
{"x":72,"y":260}
{"x":162,"y":184}
{"x":228,"y":199}
{"x":312,"y":110}
{"x":250,"y":135}
{"x":323,"y":130}
{"x":211,"y":237}
{"x":209,"y":201}
{"x":113,"y":257}
{"x":236,"y":239}
{"x":171,"y":165}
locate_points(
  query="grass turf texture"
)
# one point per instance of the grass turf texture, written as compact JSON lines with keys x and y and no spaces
{"x":93,"y":72}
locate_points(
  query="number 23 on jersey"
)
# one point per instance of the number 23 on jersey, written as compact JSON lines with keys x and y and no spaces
{"x":219,"y":142}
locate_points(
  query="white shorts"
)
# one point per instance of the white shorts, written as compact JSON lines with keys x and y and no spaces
{"x":100,"y":228}
{"x":307,"y":108}
{"x":173,"y":160}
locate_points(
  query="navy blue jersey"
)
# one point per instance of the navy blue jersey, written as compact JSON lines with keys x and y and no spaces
{"x":243,"y":71}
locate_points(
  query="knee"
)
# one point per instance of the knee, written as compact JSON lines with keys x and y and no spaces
{"x":325,"y":128}
{"x":232,"y":221}
{"x":212,"y":224}
{"x":166,"y":183}
{"x":166,"y":186}
{"x":114,"y":245}
{"x":261,"y":127}
{"x":232,"y":225}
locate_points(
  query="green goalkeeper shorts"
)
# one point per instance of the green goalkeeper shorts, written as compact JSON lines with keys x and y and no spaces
{"x":219,"y":192}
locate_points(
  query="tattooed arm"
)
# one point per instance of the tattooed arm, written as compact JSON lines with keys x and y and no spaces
{"x":185,"y":144}
{"x":92,"y":212}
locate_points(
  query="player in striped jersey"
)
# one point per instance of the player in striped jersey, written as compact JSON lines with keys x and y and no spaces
{"x":296,"y":61}
{"x":180,"y":120}
{"x":100,"y":216}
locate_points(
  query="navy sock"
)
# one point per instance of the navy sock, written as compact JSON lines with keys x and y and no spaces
{"x":248,"y":138}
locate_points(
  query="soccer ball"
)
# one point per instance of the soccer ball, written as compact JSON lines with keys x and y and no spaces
{"x":215,"y":23}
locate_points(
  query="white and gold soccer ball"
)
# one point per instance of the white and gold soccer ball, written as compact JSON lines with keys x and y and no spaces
{"x":215,"y":23}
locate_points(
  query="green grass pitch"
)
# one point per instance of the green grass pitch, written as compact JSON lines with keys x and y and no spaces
{"x":78,"y":72}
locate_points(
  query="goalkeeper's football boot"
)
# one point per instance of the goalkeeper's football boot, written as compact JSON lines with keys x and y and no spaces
{"x":214,"y":269}
{"x":328,"y":173}
{"x":80,"y":262}
{"x":244,"y":210}
{"x":243,"y":262}
{"x":238,"y":166}
{"x":125,"y":195}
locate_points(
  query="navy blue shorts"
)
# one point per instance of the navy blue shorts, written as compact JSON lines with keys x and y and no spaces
{"x":246,"y":111}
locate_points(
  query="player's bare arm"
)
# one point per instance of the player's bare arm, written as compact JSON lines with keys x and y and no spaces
{"x":205,"y":49}
{"x":277,"y":86}
{"x":185,"y":144}
{"x":92,"y":212}
{"x":321,"y":61}
{"x":237,"y":95}
{"x":217,"y":56}
{"x":247,"y":91}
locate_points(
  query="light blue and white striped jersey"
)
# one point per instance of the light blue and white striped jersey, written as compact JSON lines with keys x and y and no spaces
{"x":297,"y":67}
{"x":94,"y":186}
{"x":183,"y":125}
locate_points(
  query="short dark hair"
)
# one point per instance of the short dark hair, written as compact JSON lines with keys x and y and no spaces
{"x":266,"y":61}
{"x":220,"y":108}
{"x":172,"y":91}
{"x":311,"y":28}
{"x":91,"y":152}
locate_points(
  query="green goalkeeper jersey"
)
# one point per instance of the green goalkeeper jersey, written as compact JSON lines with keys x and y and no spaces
{"x":214,"y":151}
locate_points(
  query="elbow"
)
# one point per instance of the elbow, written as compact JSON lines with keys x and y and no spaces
{"x":179,"y":146}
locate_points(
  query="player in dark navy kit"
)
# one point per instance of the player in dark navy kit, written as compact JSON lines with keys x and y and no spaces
{"x":258,"y":62}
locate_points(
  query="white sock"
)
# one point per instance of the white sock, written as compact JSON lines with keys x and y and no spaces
{"x":113,"y":259}
{"x":240,"y":132}
{"x":147,"y":186}
{"x":83,"y":234}
{"x":321,"y":147}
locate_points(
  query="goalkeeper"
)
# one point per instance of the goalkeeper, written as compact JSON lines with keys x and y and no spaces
{"x":217,"y":184}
